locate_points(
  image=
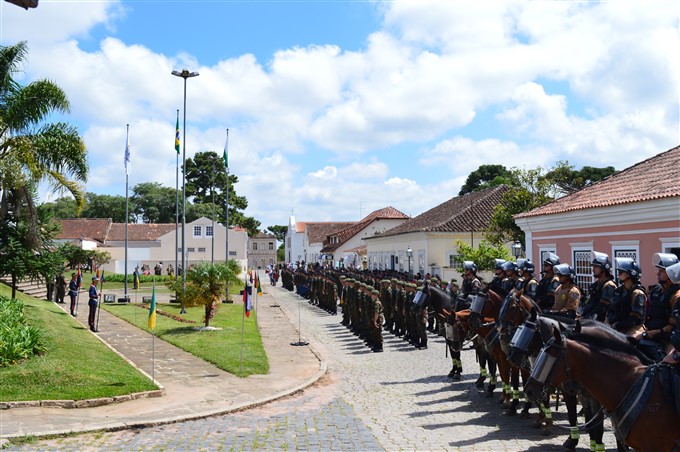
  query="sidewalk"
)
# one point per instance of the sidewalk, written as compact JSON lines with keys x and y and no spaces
{"x":193,"y":388}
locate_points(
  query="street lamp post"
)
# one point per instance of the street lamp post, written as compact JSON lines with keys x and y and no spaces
{"x":516,"y":249}
{"x":409,"y":254}
{"x":185,"y":74}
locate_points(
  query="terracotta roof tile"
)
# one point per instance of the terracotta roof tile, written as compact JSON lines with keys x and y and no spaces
{"x":472,"y":210}
{"x":139,"y":232}
{"x":653,"y":178}
{"x":345,"y":234}
{"x":318,"y":231}
{"x":91,"y":228}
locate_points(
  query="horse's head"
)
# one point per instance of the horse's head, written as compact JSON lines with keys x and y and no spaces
{"x":529,"y":338}
{"x":438,"y":299}
{"x":550,"y":368}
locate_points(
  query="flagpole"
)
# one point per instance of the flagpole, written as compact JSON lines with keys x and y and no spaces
{"x":153,"y":340}
{"x":127,"y":176}
{"x":212,"y":190}
{"x":243,"y":324}
{"x":226,"y":224}
{"x":176,"y":197}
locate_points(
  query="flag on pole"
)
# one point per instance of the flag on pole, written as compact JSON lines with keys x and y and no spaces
{"x":127,"y":156}
{"x":225,"y":154}
{"x":152,"y":309}
{"x":103,"y":277}
{"x":98,"y":274}
{"x":177,"y":134}
{"x":257,"y":284}
{"x":136,"y":281}
{"x":247,"y":299}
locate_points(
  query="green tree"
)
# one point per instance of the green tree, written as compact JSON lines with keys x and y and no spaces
{"x":196,"y":211}
{"x":279,"y":232}
{"x":154,"y":203}
{"x":206,"y":283}
{"x":483,"y":255}
{"x":566,"y":179}
{"x":206,"y":175}
{"x":486,"y":176}
{"x":61,"y":208}
{"x":107,"y":206}
{"x":42,"y":151}
{"x":281,"y":253}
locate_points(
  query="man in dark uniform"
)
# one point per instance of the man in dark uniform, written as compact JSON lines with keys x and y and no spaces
{"x":61,"y":288}
{"x":73,"y":293}
{"x":527,"y":285}
{"x":673,"y":357}
{"x":378,"y":320}
{"x":545,"y":293}
{"x":93,"y":303}
{"x":662,"y":300}
{"x":601,"y":291}
{"x":627,"y":309}
{"x":499,"y":275}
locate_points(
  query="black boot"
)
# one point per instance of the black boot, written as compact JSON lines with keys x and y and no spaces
{"x":570,"y":443}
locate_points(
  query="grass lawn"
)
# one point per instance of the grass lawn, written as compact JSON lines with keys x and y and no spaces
{"x":222,"y":348}
{"x":76,"y":365}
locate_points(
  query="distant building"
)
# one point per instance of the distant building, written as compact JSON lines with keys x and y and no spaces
{"x":261,"y":250}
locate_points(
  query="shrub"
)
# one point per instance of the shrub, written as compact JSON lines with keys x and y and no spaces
{"x":18,"y":340}
{"x":117,"y":277}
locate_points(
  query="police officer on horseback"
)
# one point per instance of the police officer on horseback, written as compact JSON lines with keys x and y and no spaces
{"x":601,"y":291}
{"x":527,"y":285}
{"x":545,"y":293}
{"x":627,"y":309}
{"x":567,"y":294}
{"x":662,"y":300}
{"x":496,"y":283}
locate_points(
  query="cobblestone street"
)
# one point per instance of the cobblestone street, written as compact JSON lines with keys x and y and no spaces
{"x":397,"y":400}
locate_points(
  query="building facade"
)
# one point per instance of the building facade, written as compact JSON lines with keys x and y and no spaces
{"x":261,"y":250}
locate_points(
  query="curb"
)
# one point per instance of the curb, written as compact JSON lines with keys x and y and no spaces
{"x":323,"y":369}
{"x":86,"y":403}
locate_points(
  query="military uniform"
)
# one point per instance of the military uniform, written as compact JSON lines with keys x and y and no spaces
{"x":627,"y":309}
{"x":545,"y":292}
{"x":377,"y":321}
{"x":567,"y":298}
{"x":600,"y":295}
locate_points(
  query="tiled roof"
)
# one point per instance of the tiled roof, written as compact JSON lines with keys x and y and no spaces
{"x":472,"y":210}
{"x":317,"y":231}
{"x":139,"y":232}
{"x":360,"y":250}
{"x":344,"y":235}
{"x":263,"y":235}
{"x":91,"y":228}
{"x":650,"y":179}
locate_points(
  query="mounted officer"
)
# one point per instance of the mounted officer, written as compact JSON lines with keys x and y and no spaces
{"x":601,"y":291}
{"x":496,"y":283}
{"x":545,"y":294}
{"x":567,"y":294}
{"x":627,"y":310}
{"x":471,"y":285}
{"x":527,"y":284}
{"x":662,"y":300}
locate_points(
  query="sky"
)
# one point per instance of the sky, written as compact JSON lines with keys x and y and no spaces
{"x":339,"y":108}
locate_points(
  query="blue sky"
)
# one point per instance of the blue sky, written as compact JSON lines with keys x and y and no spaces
{"x":338,"y":108}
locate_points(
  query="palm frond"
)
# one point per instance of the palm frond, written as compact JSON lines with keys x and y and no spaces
{"x":32,"y":104}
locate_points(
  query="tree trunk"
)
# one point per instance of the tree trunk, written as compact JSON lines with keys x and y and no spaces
{"x":14,"y":286}
{"x":208,"y":309}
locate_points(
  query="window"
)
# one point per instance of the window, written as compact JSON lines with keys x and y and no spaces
{"x":543,"y":251}
{"x":232,"y":253}
{"x":584,"y":273}
{"x":271,"y":246}
{"x":201,"y":249}
{"x":254,"y":246}
{"x":421,"y":261}
{"x":179,"y":250}
{"x":197,"y":231}
{"x":453,"y":260}
{"x":208,"y":231}
{"x":191,"y":249}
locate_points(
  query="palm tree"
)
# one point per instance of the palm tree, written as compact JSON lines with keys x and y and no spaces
{"x":41,"y":151}
{"x":32,"y":150}
{"x":208,"y":283}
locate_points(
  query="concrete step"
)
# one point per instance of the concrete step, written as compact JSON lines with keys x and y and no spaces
{"x":32,"y":288}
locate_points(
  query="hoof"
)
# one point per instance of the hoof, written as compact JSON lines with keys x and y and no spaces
{"x":525,"y":414}
{"x":570,"y":443}
{"x":456,"y":376}
{"x":511,"y":412}
{"x":479,"y":383}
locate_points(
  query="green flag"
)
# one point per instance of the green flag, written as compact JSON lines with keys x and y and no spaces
{"x":224,"y":154}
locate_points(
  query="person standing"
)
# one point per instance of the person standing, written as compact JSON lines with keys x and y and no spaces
{"x":61,"y":288}
{"x":93,"y":303}
{"x":378,"y":320}
{"x":73,"y":293}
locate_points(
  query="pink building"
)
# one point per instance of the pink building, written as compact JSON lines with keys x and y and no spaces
{"x":633,"y":213}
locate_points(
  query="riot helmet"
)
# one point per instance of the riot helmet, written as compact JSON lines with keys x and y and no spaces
{"x":526,"y":265}
{"x":509,"y":266}
{"x":600,"y":260}
{"x":628,"y":265}
{"x":673,"y":273}
{"x":469,"y":265}
{"x":664,"y":260}
{"x":552,"y":259}
{"x":564,"y":270}
{"x":498,"y":264}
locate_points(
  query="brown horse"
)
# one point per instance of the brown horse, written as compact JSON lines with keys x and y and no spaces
{"x":612,"y":372}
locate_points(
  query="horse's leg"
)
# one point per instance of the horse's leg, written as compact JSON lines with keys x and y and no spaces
{"x":596,"y":429}
{"x":455,"y":359}
{"x":514,"y":382}
{"x":491,"y":364}
{"x":574,"y":435}
{"x":527,"y":403}
{"x":504,"y":371}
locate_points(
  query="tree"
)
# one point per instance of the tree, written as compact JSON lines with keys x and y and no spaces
{"x":206,"y":283}
{"x":63,"y":207}
{"x":565,"y":179}
{"x":107,"y":206}
{"x":154,"y":203}
{"x":53,"y":152}
{"x":486,"y":176}
{"x":483,"y":255}
{"x":279,"y":232}
{"x":206,"y":174}
{"x":281,"y":253}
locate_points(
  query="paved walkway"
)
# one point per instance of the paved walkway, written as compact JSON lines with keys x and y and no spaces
{"x":193,"y":388}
